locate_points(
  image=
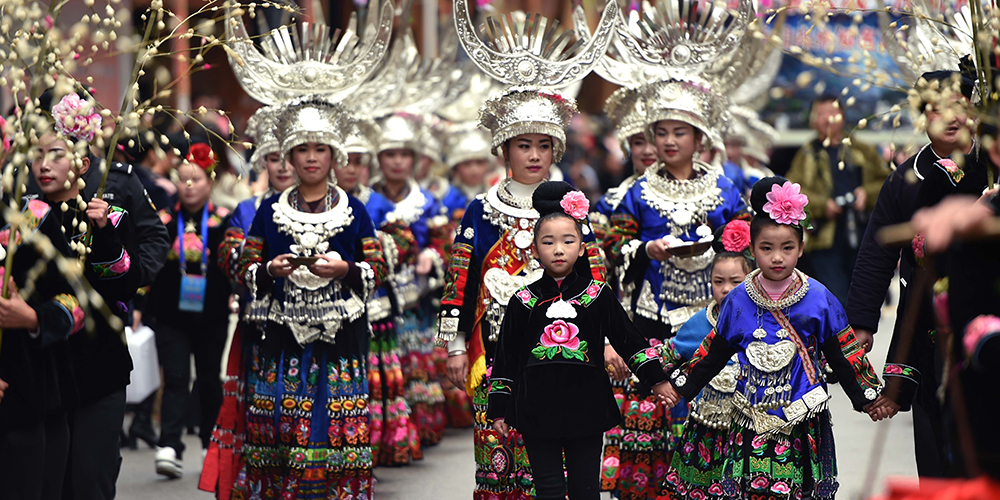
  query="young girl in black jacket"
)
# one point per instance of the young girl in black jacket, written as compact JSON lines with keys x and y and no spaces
{"x":549,"y":380}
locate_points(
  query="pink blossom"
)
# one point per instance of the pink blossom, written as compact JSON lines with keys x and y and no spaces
{"x":785,"y":204}
{"x":977,"y":329}
{"x":592,"y":290}
{"x":49,"y":23}
{"x":697,"y":495}
{"x":561,"y":334}
{"x":736,"y":236}
{"x":76,"y":118}
{"x":703,"y":453}
{"x":646,"y":406}
{"x":896,"y":369}
{"x":206,"y":66}
{"x":781,"y":446}
{"x":524,"y":295}
{"x":611,"y":462}
{"x":759,"y":442}
{"x":715,"y":489}
{"x":688,"y":447}
{"x":575,"y":204}
{"x":651,"y":353}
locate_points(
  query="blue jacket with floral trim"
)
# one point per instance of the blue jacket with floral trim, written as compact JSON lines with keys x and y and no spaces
{"x":549,"y":375}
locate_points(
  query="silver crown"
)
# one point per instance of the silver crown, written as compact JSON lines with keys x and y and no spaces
{"x":747,"y":73}
{"x":292,"y":63}
{"x":400,"y":131}
{"x":692,"y":101}
{"x":528,"y":110}
{"x":528,"y":51}
{"x":361,"y":134}
{"x":466,"y":141}
{"x":627,"y":111}
{"x":313,"y":119}
{"x":262,"y":128}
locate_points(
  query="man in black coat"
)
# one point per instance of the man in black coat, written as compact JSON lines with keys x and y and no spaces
{"x":912,"y":375}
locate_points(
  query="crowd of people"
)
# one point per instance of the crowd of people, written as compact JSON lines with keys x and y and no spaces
{"x":647,"y":310}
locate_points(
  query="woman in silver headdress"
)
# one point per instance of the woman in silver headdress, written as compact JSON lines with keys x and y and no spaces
{"x":491,"y":258}
{"x":394,"y":436}
{"x":677,"y":202}
{"x":415,"y":222}
{"x":310,"y":260}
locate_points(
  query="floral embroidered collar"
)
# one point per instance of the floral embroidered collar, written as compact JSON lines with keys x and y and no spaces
{"x":574,"y":291}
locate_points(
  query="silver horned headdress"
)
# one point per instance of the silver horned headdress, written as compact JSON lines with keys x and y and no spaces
{"x":313,"y":119}
{"x":528,"y":52}
{"x":528,"y":110}
{"x":361,"y":135}
{"x":262,"y":128}
{"x":290,"y":64}
{"x":627,"y":111}
{"x":466,"y":141}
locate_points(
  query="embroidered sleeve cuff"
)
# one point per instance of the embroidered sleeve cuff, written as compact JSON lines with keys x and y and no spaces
{"x":500,"y":393}
{"x":114,"y":268}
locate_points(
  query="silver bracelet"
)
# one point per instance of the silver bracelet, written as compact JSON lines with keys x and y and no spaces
{"x":456,"y":352}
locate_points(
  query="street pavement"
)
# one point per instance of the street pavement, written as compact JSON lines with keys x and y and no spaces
{"x":446,"y":473}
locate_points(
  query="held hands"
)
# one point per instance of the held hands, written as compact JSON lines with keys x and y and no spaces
{"x":666,"y":394}
{"x":458,"y":369}
{"x":500,"y":426}
{"x":616,"y":366}
{"x":16,"y":313}
{"x":326,"y":267}
{"x":97,"y":212}
{"x":866,"y":339}
{"x":882,"y":408}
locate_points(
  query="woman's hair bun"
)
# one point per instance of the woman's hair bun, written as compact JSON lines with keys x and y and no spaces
{"x":547,"y":196}
{"x":717,"y":244}
{"x":758,"y":196}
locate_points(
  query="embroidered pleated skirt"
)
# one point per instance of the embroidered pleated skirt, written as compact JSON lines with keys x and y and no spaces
{"x":420,"y":372}
{"x":394,"y":435}
{"x":502,"y":468}
{"x":308,"y":426}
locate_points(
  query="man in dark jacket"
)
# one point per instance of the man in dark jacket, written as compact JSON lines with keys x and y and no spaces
{"x":912,"y":375}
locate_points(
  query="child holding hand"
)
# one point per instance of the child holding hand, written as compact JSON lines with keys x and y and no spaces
{"x":778,"y":322}
{"x":548,"y":379}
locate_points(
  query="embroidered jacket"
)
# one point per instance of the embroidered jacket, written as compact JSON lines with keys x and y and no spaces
{"x":490,"y":260}
{"x":549,"y":375}
{"x":385,"y":300}
{"x":600,"y":217}
{"x":314,"y":308}
{"x":714,"y":404}
{"x":37,"y":365}
{"x":416,"y":222}
{"x":671,"y":291}
{"x":779,"y":344}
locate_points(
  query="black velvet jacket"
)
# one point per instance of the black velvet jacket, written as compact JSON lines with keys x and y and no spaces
{"x":549,"y":375}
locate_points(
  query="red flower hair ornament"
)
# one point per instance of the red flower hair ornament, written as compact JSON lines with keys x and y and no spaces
{"x":201,"y":154}
{"x":736,"y":236}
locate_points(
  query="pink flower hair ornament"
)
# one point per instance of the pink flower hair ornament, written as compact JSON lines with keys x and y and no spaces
{"x":576,"y":205}
{"x":76,"y":118}
{"x":736,"y":236}
{"x":787,"y":205}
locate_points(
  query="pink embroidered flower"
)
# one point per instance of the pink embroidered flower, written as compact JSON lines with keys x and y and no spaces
{"x":781,"y":446}
{"x":575,"y":204}
{"x":759,"y":483}
{"x":703,"y":453}
{"x":611,"y":462}
{"x":640,"y":479}
{"x":646,"y":406}
{"x":948,"y":164}
{"x":736,"y":236}
{"x":561,"y":334}
{"x":524,"y":295}
{"x":785,"y":204}
{"x":688,"y":448}
{"x":758,"y":442}
{"x":673,"y":478}
{"x":977,"y":329}
{"x":592,"y":291}
{"x":896,"y":369}
{"x":715,"y":489}
{"x":780,"y":488}
{"x":123,"y":264}
{"x":76,"y":118}
{"x":651,"y":352}
{"x":697,"y":495}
